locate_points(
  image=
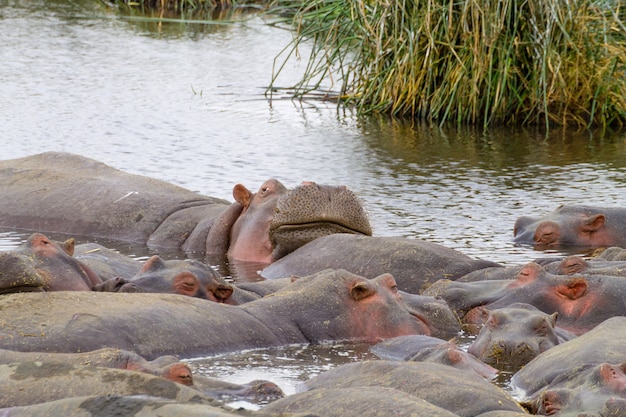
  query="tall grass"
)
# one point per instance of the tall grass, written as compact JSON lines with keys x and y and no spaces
{"x":552,"y":62}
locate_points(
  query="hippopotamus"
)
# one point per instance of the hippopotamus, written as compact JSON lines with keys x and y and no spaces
{"x":258,"y":391}
{"x":185,"y":277}
{"x":606,"y":343}
{"x":581,"y":301}
{"x":613,"y":253}
{"x":168,"y":367}
{"x":120,"y":405}
{"x":335,"y":305}
{"x":74,"y":195}
{"x":420,"y":348}
{"x":593,"y":389}
{"x":514,"y":335}
{"x":25,"y":383}
{"x":468,"y":394}
{"x":122,"y":273}
{"x":414,"y":263}
{"x":41,"y":264}
{"x":573,"y":226}
{"x":577,"y":265}
{"x":583,"y":375}
{"x":353,"y":402}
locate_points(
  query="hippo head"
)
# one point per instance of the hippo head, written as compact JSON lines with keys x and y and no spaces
{"x":567,"y":226}
{"x":266,"y":225}
{"x":513,"y":336}
{"x":599,"y":388}
{"x":55,"y":265}
{"x":185,"y":277}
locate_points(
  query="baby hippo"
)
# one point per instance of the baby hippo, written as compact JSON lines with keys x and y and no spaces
{"x":514,"y":335}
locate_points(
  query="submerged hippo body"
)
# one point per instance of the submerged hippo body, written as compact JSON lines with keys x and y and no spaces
{"x":336,"y":305}
{"x":71,"y":194}
{"x":25,"y":383}
{"x":594,"y":266}
{"x":585,"y":374}
{"x":118,"y":405}
{"x":413,"y":263}
{"x":166,"y":367}
{"x":461,"y":392}
{"x":106,"y":263}
{"x":573,"y":226}
{"x":420,"y":348}
{"x":353,"y":402}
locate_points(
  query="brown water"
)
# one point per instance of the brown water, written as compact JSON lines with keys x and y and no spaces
{"x":185,"y":103}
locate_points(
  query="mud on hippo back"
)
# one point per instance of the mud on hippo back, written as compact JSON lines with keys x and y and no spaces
{"x":71,"y":194}
{"x":573,"y":226}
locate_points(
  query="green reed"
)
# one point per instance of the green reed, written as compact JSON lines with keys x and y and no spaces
{"x":552,"y":62}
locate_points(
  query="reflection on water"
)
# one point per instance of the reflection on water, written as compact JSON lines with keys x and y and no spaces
{"x":185,"y":103}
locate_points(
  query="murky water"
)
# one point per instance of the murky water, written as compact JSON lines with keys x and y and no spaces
{"x":185,"y":103}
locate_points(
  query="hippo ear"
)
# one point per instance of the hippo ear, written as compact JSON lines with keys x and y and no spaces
{"x":186,"y":284}
{"x":153,"y":264}
{"x":242,"y":195}
{"x":593,"y":223}
{"x":573,"y":264}
{"x":223,"y":292}
{"x":68,"y":246}
{"x":361,"y":290}
{"x":553,"y":318}
{"x":573,"y":289}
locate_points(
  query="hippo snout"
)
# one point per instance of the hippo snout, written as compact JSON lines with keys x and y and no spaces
{"x":506,"y":354}
{"x":131,"y":287}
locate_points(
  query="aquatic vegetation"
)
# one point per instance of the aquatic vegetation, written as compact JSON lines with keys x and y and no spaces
{"x":180,"y":6}
{"x":484,"y":62}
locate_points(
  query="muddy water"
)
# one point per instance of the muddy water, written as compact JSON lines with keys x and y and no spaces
{"x":185,"y":103}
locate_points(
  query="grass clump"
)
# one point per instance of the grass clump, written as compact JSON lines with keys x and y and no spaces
{"x":486,"y":62}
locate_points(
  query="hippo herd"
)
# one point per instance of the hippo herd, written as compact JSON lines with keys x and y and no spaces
{"x":88,"y":331}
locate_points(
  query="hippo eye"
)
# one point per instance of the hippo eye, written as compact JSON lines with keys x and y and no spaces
{"x":546,"y":238}
{"x":541,"y":330}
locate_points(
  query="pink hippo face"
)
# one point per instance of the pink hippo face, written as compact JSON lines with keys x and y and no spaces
{"x":378,"y":312}
{"x":275,"y":220}
{"x":339,"y":305}
{"x":54,"y":262}
{"x":249,"y":238}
